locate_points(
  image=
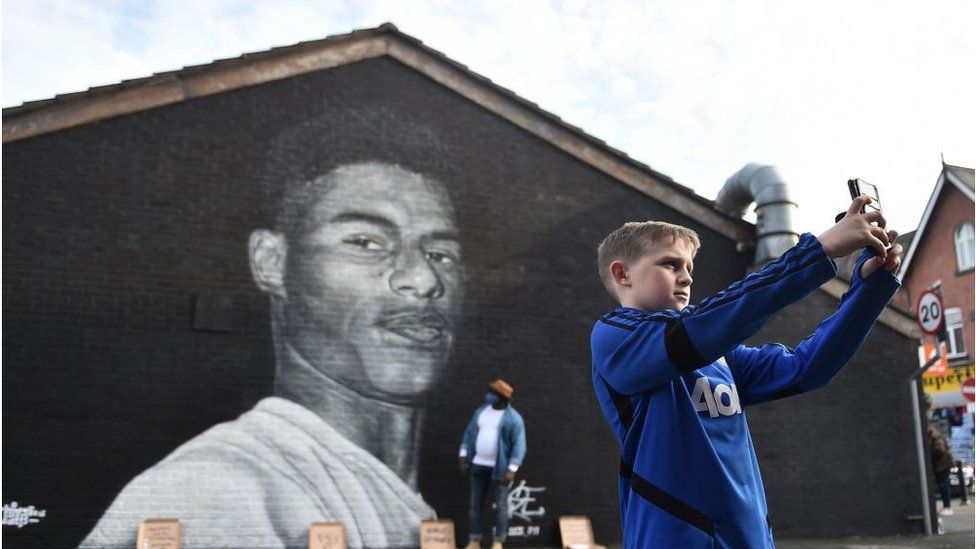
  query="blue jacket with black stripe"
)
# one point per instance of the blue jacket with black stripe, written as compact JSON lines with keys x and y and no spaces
{"x":673,"y":384}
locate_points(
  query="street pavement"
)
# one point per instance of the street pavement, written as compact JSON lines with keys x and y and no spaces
{"x":959,"y":534}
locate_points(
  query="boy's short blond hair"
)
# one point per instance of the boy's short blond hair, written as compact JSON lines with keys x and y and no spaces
{"x":631,"y":241}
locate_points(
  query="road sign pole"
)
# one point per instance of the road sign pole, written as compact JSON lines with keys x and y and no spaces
{"x":930,"y":316}
{"x":920,"y":447}
{"x":923,"y":475}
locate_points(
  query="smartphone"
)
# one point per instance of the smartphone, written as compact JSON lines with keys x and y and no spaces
{"x":860,"y":187}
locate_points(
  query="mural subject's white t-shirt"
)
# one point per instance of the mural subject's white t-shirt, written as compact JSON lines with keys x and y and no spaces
{"x":486,"y":446}
{"x":260,"y":480}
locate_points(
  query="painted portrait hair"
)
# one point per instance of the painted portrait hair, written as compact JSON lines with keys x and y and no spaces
{"x":301,"y":160}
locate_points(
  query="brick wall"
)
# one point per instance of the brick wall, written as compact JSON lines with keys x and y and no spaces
{"x":840,"y":461}
{"x":935,"y":259}
{"x":115,"y":231}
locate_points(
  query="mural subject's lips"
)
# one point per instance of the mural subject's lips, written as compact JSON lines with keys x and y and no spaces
{"x":425,"y":328}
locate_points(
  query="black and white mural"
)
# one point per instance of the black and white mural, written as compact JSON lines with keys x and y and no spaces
{"x":364,"y":270}
{"x":281,"y":305}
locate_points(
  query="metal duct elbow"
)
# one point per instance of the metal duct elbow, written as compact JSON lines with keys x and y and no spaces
{"x":774,"y":209}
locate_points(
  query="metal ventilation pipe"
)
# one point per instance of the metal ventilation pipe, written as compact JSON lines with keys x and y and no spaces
{"x":774,"y":210}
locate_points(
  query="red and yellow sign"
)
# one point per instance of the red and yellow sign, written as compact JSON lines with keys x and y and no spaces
{"x":946,"y":389}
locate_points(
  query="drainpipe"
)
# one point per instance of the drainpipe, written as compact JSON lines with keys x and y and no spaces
{"x":774,"y":209}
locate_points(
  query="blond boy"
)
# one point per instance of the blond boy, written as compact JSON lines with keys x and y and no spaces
{"x":673,"y":379}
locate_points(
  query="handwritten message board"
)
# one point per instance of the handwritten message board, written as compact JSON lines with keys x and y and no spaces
{"x":576,"y":531}
{"x":159,"y":534}
{"x":326,"y":535}
{"x":437,"y":534}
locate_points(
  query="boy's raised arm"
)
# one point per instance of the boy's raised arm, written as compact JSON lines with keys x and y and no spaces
{"x":774,"y":371}
{"x":634,"y":353}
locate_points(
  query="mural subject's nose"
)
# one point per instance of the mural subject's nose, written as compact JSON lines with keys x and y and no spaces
{"x":413,"y":276}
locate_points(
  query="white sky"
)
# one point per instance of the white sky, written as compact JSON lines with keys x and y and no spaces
{"x":823,"y":90}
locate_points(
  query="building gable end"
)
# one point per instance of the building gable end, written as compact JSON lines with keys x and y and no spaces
{"x":78,"y":109}
{"x":934,"y":199}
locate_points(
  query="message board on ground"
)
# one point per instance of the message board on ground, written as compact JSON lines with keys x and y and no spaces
{"x":159,"y":534}
{"x":437,"y":534}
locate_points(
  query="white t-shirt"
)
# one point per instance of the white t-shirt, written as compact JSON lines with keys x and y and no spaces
{"x":486,"y":447}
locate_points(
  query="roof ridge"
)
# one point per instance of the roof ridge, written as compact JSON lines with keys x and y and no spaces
{"x":193,"y":81}
{"x":962,"y":174}
{"x":385,"y":27}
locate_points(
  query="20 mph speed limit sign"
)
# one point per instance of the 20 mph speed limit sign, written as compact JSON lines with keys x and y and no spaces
{"x":929,"y":312}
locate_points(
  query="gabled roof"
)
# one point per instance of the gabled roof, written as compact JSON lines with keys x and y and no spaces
{"x":962,"y":179}
{"x":963,"y":175}
{"x":70,"y":110}
{"x":130,"y":96}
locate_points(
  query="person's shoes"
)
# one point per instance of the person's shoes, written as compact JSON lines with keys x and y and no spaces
{"x":967,"y":502}
{"x":473,"y":544}
{"x":496,"y":545}
{"x":945,"y":512}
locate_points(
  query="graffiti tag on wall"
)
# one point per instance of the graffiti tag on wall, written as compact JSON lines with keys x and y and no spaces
{"x":522,"y":504}
{"x":15,"y":515}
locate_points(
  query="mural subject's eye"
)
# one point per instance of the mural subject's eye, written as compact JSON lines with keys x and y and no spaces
{"x":365,"y":242}
{"x":440,"y":257}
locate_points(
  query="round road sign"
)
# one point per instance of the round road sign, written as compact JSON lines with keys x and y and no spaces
{"x":928,"y":312}
{"x":968,"y":390}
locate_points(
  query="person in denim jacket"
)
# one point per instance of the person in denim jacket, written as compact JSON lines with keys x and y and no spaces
{"x":492,"y":450}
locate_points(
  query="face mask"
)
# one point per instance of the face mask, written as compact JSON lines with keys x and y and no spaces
{"x":491,"y":398}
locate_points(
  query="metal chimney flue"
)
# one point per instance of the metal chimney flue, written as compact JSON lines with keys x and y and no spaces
{"x":774,"y":209}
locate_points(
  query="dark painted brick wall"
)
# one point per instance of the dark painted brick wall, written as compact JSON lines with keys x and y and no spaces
{"x":841,"y":460}
{"x":113,"y":231}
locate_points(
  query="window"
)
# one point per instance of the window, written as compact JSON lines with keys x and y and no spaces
{"x":964,"y":247}
{"x":956,"y":333}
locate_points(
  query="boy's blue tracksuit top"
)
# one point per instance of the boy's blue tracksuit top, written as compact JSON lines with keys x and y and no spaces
{"x":673,"y":385}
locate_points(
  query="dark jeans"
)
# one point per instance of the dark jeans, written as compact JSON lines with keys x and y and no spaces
{"x":945,"y":489}
{"x":963,"y":489}
{"x":482,"y":484}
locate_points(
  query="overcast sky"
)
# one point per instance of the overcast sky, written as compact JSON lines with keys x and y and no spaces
{"x":823,"y":90}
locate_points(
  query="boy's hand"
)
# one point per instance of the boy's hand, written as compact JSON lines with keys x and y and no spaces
{"x":463,"y":465}
{"x":890,"y":263}
{"x":855,"y":231}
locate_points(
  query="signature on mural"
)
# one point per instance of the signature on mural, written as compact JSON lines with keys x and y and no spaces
{"x":522,"y":504}
{"x":15,"y":515}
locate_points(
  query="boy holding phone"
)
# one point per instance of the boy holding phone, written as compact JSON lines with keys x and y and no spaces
{"x":673,"y":379}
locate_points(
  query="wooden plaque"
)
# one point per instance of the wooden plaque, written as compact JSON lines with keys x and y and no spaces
{"x":159,"y":534}
{"x":437,"y":534}
{"x":327,"y":535}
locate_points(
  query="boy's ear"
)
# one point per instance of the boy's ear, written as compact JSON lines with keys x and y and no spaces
{"x":618,"y":270}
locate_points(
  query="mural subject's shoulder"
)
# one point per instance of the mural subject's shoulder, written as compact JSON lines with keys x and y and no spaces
{"x":231,"y":478}
{"x":211,"y":495}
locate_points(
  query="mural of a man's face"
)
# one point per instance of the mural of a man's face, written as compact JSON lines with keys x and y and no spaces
{"x":372,"y":280}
